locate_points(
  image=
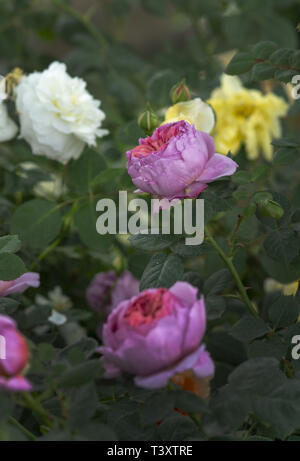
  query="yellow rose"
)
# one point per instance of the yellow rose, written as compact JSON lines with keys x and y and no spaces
{"x":196,"y":112}
{"x":288,"y":289}
{"x":245,"y":117}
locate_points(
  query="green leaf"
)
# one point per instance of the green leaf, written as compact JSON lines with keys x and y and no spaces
{"x":8,"y":306}
{"x":86,"y":345}
{"x":157,"y":407}
{"x":281,"y":409}
{"x":278,"y":269}
{"x":215,"y":306}
{"x":225,"y":348}
{"x":109,"y":180}
{"x":284,"y":311}
{"x":127,"y":135}
{"x":286,"y":142}
{"x":159,"y":86}
{"x":241,"y":177}
{"x":177,"y":427}
{"x":262,"y":50}
{"x":230,"y":409}
{"x":249,"y":211}
{"x":81,"y":374}
{"x":257,"y":376}
{"x":152,"y":242}
{"x":281,"y":57}
{"x":282,"y":244}
{"x":154,"y":7}
{"x":262,"y":196}
{"x":46,"y":352}
{"x":194,"y":278}
{"x":295,"y":59}
{"x":262,"y":71}
{"x":190,"y":251}
{"x":217,"y":282}
{"x":268,"y":347}
{"x":75,"y":356}
{"x":242,"y":193}
{"x":216,"y":202}
{"x":96,"y":432}
{"x":240,"y":63}
{"x":285,"y":75}
{"x":36,"y":315}
{"x":10,"y":244}
{"x":83,"y":405}
{"x":85,"y":221}
{"x":6,"y":405}
{"x":249,"y":328}
{"x":37,"y":222}
{"x":286,"y":156}
{"x":80,"y":173}
{"x":189,"y":402}
{"x":162,"y":271}
{"x":260,"y":173}
{"x":11,"y":266}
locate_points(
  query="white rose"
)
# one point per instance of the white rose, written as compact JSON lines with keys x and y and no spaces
{"x":195,"y":112}
{"x":58,"y":115}
{"x":8,"y":128}
{"x":3,"y":94}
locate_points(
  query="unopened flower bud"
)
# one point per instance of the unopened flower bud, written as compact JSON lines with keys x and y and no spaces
{"x":180,"y":93}
{"x":271,"y":208}
{"x":148,"y":120}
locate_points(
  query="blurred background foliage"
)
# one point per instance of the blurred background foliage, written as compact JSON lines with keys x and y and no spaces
{"x":131,"y":51}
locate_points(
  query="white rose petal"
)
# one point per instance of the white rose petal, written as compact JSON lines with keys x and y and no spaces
{"x":57,"y":319}
{"x":58,"y":115}
{"x":196,"y":112}
{"x":8,"y":128}
{"x":3,"y":94}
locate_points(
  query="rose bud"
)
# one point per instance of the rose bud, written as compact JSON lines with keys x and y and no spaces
{"x":270,"y":208}
{"x":148,"y":120}
{"x":176,"y":162}
{"x":156,"y":335}
{"x":180,"y":93}
{"x":14,"y":356}
{"x":29,"y":279}
{"x":106,"y":291}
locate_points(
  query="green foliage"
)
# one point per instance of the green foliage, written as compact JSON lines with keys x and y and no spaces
{"x":266,"y":60}
{"x":37,"y":222}
{"x":11,"y":266}
{"x":162,"y":271}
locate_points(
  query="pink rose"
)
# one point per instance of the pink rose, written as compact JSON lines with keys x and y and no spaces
{"x":98,"y":291}
{"x":29,"y":279}
{"x":176,"y":162}
{"x":156,"y":335}
{"x":14,"y":356}
{"x":106,"y":290}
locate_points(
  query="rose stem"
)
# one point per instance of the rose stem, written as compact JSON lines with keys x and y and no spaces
{"x":37,"y":407}
{"x":23,"y":429}
{"x":234,"y":273}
